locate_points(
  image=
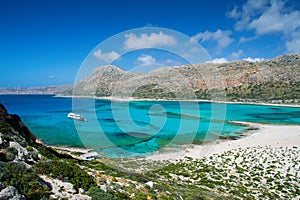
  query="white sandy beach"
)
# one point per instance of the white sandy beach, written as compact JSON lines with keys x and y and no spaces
{"x":71,"y":149}
{"x":267,"y":135}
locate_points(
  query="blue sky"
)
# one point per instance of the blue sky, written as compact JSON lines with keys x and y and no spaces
{"x":45,"y":42}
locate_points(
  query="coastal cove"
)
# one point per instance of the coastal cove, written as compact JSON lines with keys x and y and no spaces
{"x":45,"y":115}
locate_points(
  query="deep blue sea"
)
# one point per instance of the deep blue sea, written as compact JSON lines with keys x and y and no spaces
{"x":137,"y":127}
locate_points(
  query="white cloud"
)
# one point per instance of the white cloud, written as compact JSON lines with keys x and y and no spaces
{"x":222,"y":38}
{"x":275,"y":19}
{"x":145,"y":59}
{"x":250,"y":9}
{"x":106,"y":57}
{"x":253,"y":59}
{"x":169,"y":61}
{"x":268,"y":17}
{"x":52,"y":77}
{"x":218,"y":60}
{"x":141,"y":41}
{"x":293,"y":45}
{"x":247,"y":39}
{"x":237,"y":54}
{"x":234,"y":13}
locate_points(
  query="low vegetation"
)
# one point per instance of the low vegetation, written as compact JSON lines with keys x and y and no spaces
{"x":67,"y":171}
{"x":273,"y":92}
{"x":24,"y":179}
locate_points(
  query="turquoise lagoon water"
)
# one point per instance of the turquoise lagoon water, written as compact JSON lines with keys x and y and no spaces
{"x":137,"y":127}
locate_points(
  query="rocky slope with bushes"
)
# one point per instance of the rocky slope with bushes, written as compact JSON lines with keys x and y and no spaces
{"x":23,"y":166}
{"x":30,"y":170}
{"x":274,"y":81}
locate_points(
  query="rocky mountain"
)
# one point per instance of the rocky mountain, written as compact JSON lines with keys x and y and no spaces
{"x":276,"y":80}
{"x":273,"y":81}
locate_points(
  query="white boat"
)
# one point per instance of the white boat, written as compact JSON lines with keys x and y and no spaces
{"x":77,"y":117}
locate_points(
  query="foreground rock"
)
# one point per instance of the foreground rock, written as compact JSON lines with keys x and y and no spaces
{"x":63,"y":190}
{"x":10,"y":193}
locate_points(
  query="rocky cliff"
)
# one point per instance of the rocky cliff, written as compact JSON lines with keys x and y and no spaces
{"x":275,"y":80}
{"x":15,"y":137}
{"x":24,"y":162}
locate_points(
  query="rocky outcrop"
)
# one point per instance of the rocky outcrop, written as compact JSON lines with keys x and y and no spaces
{"x":10,"y":193}
{"x":14,"y":122}
{"x":63,"y":190}
{"x":2,"y":186}
{"x":16,"y":140}
{"x":18,"y":152}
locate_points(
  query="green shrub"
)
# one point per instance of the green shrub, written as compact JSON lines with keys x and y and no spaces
{"x":64,"y":170}
{"x":4,"y":127}
{"x":98,"y":194}
{"x":23,"y":143}
{"x":35,"y":155}
{"x":9,"y":156}
{"x":29,"y":148}
{"x":12,"y":150}
{"x":23,"y":179}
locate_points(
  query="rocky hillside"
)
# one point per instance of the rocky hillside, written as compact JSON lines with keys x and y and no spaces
{"x":29,"y":170}
{"x":24,"y":162}
{"x":276,"y":81}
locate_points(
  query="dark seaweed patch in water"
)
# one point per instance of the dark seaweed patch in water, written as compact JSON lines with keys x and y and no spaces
{"x":108,"y":120}
{"x":103,"y":110}
{"x":141,"y":107}
{"x":139,"y":134}
{"x":141,"y":123}
{"x":146,"y":124}
{"x":176,"y":115}
{"x":140,"y":142}
{"x":121,"y":134}
{"x":133,"y":134}
{"x":134,"y":148}
{"x":272,"y":108}
{"x":277,"y":116}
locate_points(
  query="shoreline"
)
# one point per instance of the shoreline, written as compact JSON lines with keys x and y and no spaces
{"x":262,"y":135}
{"x":64,"y":148}
{"x":267,"y":135}
{"x":183,"y":100}
{"x":70,"y":149}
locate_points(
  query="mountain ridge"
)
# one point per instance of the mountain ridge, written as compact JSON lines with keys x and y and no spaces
{"x":274,"y":80}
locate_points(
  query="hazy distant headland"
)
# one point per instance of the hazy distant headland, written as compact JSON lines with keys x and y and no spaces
{"x":44,"y":90}
{"x":270,"y":81}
